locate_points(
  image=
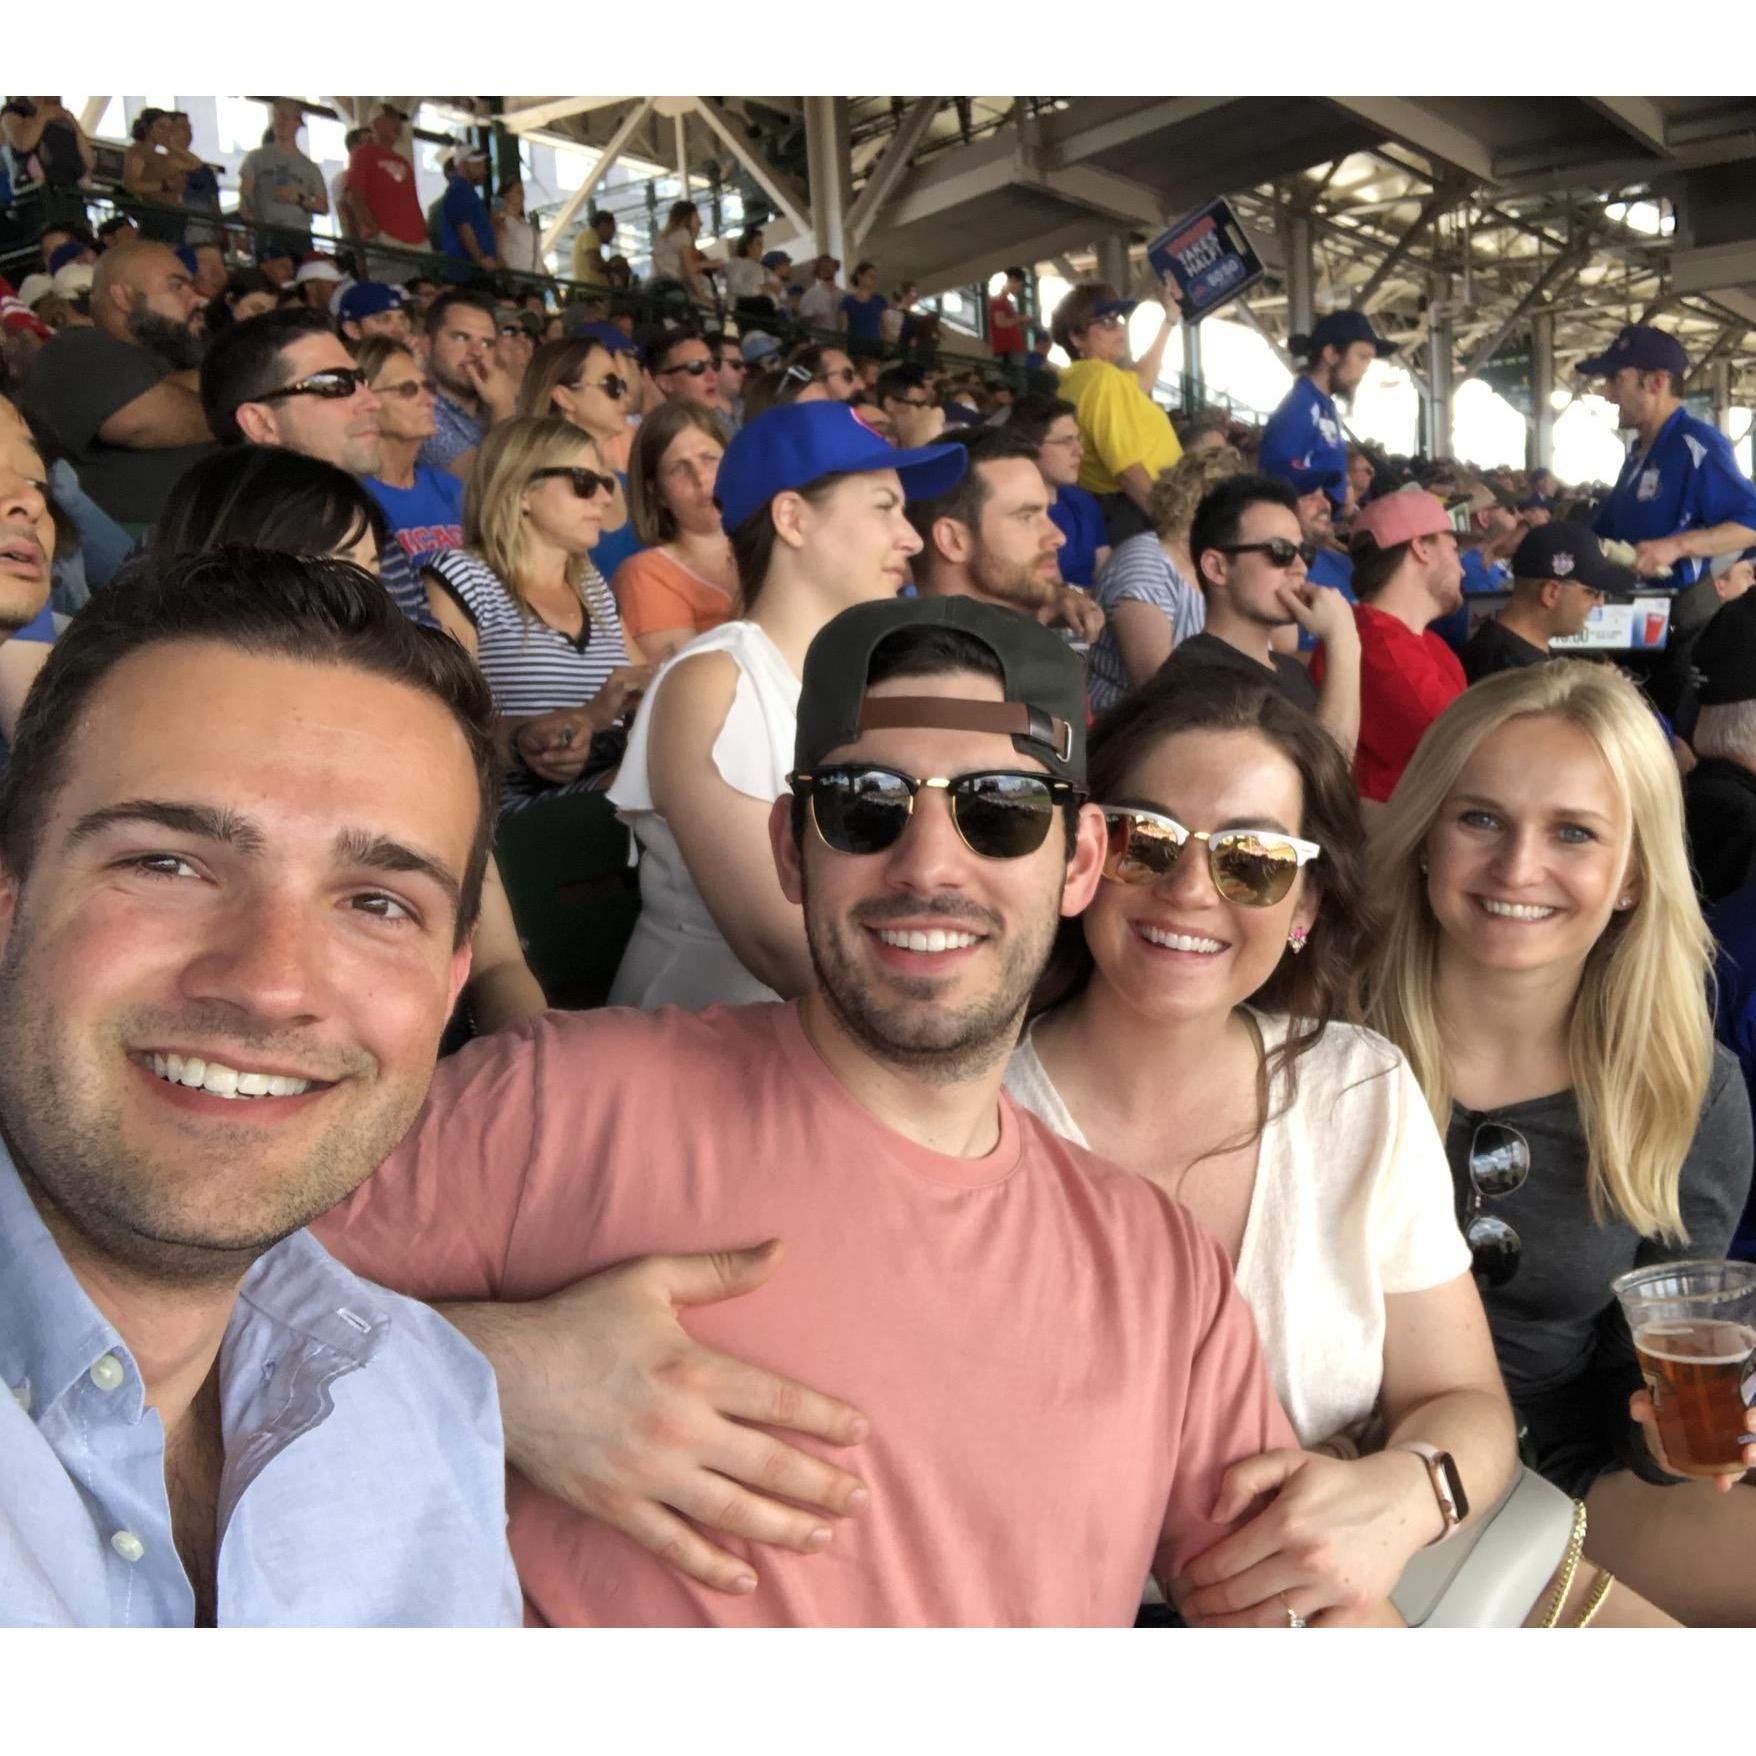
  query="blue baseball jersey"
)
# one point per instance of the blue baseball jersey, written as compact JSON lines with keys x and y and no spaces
{"x":1687,"y":480}
{"x":1330,"y":567}
{"x":1305,"y":433}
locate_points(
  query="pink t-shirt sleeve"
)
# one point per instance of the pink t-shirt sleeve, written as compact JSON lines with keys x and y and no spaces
{"x":1230,"y":1412}
{"x":436,"y":1220}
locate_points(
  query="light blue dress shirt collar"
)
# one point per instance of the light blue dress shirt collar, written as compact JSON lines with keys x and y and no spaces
{"x":364,"y":1466}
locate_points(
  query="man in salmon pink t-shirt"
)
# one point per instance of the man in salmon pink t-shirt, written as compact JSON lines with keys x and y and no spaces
{"x":1407,"y":575}
{"x":1056,"y":1367}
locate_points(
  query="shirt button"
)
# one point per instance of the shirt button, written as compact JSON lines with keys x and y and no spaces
{"x":127,"y":1545}
{"x":107,"y":1373}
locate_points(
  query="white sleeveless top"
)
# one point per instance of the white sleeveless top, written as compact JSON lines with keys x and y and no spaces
{"x":1353,"y":1201}
{"x":667,"y":255}
{"x":677,"y":955}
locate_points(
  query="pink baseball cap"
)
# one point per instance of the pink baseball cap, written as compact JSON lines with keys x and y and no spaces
{"x":1399,"y":518}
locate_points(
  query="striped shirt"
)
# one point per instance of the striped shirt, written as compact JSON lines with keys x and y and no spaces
{"x":1139,"y":570}
{"x":530,"y":667}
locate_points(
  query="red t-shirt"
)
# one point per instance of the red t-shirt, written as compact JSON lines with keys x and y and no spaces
{"x":1406,"y":681}
{"x":1005,"y":331}
{"x":1056,"y":1364}
{"x":385,"y":181}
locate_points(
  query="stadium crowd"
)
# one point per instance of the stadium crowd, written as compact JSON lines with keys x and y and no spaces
{"x":1157,"y":970}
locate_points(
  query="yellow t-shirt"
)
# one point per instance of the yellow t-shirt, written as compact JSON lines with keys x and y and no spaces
{"x":588,"y":259}
{"x":1119,"y":423}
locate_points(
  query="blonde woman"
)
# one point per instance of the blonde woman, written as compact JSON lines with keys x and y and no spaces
{"x":1148,"y":588}
{"x":524,"y":598}
{"x":1543,"y":965}
{"x":582,"y":380}
{"x":685,"y":581}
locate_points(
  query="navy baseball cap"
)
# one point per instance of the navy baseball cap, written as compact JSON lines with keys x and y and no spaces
{"x":801,"y":442}
{"x":63,"y":254}
{"x":1572,"y":553}
{"x":186,"y":256}
{"x":1114,"y":307}
{"x":775,"y":259}
{"x":1340,"y":329}
{"x":1641,"y":346}
{"x":368,"y":298}
{"x":600,"y":330}
{"x":273,"y":250}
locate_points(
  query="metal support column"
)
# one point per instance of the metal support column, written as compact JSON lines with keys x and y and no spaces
{"x":1542,"y":391}
{"x":1194,"y":380}
{"x":1301,"y":275}
{"x":1721,"y":384}
{"x":1439,"y":334}
{"x":1112,"y":262}
{"x":826,"y":157}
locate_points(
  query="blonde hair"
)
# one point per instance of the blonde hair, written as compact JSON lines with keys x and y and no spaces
{"x":1173,"y":497}
{"x":1640,"y":1040}
{"x":494,"y":525}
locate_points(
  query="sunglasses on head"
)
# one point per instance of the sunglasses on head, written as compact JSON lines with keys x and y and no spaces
{"x":1499,"y":1164}
{"x":1001,"y":814}
{"x":1253,"y":867}
{"x":333,"y":383}
{"x":693,"y":367}
{"x":1280,"y":552}
{"x":586,"y":482}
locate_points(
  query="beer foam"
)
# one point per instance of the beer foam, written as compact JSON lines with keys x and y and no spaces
{"x":1738,"y":1350}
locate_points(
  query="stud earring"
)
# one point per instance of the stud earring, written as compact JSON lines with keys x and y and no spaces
{"x":1423,"y":868}
{"x":1624,"y":902}
{"x":1296,"y":939}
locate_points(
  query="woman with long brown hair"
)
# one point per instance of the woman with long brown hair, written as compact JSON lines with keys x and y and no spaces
{"x":1191,"y":1028}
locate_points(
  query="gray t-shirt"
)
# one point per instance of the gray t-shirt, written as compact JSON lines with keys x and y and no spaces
{"x":1563,"y":1344}
{"x":271,"y":166}
{"x":75,"y":383}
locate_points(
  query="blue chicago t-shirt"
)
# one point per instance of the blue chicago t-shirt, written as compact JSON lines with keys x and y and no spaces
{"x":425,"y":518}
{"x":1329,"y":567}
{"x":1688,"y":480}
{"x":1305,"y":433}
{"x":1080,"y":520}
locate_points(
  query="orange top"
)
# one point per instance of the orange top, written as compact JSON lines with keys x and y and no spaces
{"x":654,"y":590}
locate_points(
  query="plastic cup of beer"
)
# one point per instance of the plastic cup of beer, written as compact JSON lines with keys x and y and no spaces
{"x":1694,"y":1328}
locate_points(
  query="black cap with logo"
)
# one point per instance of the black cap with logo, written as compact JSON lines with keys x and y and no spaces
{"x":1044,"y":707}
{"x":1572,"y":553}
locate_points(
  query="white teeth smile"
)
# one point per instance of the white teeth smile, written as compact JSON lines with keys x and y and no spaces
{"x":1514,"y":911}
{"x":1179,"y":941}
{"x":224,"y":1081}
{"x":936,"y":940}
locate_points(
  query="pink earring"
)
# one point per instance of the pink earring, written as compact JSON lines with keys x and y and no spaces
{"x":1296,"y":939}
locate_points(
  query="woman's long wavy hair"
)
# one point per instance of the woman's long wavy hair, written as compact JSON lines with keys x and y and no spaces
{"x":1640,"y":1043}
{"x":1311,"y":988}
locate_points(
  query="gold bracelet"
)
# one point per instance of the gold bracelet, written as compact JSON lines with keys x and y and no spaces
{"x":1595,"y":1602}
{"x":1569,"y":1566}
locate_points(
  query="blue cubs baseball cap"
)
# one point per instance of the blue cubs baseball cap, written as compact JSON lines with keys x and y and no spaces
{"x":801,"y":442}
{"x":1641,"y":346}
{"x":274,"y":250}
{"x":368,"y":298}
{"x":1339,"y":329}
{"x":63,"y":254}
{"x":600,"y":330}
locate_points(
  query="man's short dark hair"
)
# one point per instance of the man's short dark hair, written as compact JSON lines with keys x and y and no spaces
{"x":434,"y":318}
{"x":1035,"y":413}
{"x":1221,"y":512}
{"x":719,"y":342}
{"x":258,"y":601}
{"x":243,"y":363}
{"x":114,"y":224}
{"x":896,"y":382}
{"x":661,"y":347}
{"x":1016,"y":274}
{"x":598,"y":218}
{"x":1374,"y":568}
{"x":964,"y":500}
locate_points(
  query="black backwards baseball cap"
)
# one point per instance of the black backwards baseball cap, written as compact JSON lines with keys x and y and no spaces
{"x":1572,"y":553}
{"x":1724,"y":660}
{"x":1044,"y":708}
{"x":1641,"y":346}
{"x":1339,"y":329}
{"x":1304,"y":481}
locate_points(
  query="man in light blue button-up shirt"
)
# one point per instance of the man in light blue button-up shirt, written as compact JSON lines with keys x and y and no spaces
{"x":233,"y":931}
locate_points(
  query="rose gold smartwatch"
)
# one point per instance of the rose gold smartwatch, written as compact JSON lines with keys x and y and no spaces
{"x":1447,"y":1484}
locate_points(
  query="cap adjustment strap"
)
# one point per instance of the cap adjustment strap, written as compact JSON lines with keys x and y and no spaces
{"x":1015,"y":719}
